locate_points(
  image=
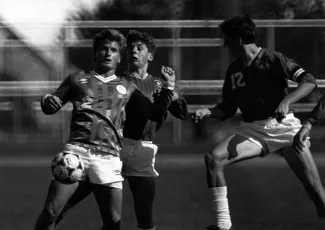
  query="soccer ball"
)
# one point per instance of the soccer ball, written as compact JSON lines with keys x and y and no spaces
{"x":67,"y":167}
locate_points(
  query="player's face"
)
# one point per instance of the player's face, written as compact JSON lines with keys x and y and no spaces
{"x":138,"y":55}
{"x":108,"y":55}
{"x":233,"y":45}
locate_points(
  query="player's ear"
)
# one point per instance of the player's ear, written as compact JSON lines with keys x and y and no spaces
{"x":150,"y":57}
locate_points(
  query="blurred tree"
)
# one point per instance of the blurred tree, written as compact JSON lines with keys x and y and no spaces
{"x":122,"y":10}
{"x":130,"y":10}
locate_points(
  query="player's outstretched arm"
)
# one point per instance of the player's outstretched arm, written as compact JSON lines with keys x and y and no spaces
{"x":52,"y":103}
{"x":224,"y":110}
{"x":212,"y":113}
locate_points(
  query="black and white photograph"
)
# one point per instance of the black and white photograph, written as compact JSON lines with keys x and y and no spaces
{"x":162,"y":114}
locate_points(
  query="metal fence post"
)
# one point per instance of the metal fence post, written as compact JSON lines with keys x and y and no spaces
{"x":271,"y":37}
{"x":64,"y":58}
{"x":176,"y":65}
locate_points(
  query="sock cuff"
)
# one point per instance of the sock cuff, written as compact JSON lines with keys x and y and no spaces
{"x":219,"y":190}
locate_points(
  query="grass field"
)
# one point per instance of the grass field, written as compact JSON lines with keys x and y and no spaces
{"x":263,"y":193}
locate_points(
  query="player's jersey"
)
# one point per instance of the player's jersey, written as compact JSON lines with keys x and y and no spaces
{"x":138,"y":125}
{"x":258,"y":88}
{"x":98,"y":108}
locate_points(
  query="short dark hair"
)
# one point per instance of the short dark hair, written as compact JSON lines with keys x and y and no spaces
{"x":147,"y":39}
{"x":240,"y":27}
{"x":111,"y":35}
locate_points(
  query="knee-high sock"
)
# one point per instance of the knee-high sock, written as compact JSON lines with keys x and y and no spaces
{"x":221,"y":207}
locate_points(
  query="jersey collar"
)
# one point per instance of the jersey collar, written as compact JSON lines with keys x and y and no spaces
{"x":104,"y":79}
{"x":254,"y":56}
{"x":135,"y":75}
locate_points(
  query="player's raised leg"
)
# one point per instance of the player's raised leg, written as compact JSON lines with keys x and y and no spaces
{"x":303,"y":165}
{"x":109,"y":200}
{"x":232,"y":149}
{"x":57,"y":197}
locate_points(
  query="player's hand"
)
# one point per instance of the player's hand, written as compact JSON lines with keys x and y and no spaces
{"x":299,"y":140}
{"x":281,"y":111}
{"x":200,"y":114}
{"x":168,"y":75}
{"x":53,"y":102}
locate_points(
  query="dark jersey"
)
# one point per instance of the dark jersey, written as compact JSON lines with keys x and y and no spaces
{"x":138,"y":124}
{"x":99,"y":108}
{"x":258,"y":88}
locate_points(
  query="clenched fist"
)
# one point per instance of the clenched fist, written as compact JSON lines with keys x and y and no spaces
{"x":53,"y":102}
{"x":168,"y":75}
{"x":200,"y":114}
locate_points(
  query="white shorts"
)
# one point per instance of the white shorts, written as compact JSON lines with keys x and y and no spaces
{"x":100,"y":168}
{"x":269,"y":134}
{"x":138,"y":158}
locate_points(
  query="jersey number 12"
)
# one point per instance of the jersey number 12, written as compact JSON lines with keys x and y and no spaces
{"x":237,"y":80}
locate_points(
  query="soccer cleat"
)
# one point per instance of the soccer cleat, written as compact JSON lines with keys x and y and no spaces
{"x":213,"y":227}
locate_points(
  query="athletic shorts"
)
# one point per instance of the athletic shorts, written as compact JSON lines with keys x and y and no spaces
{"x":269,"y":134}
{"x":100,"y":168}
{"x":138,"y":158}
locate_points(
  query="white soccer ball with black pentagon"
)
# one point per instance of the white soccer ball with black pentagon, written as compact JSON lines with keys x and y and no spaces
{"x":67,"y":167}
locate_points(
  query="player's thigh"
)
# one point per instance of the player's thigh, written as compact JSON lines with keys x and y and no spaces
{"x":83,"y":190}
{"x":109,"y":201}
{"x":233,"y":149}
{"x":58,"y":196}
{"x":143,"y":189}
{"x":299,"y":160}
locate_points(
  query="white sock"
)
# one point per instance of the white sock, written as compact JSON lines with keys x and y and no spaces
{"x":221,"y":207}
{"x":147,"y":229}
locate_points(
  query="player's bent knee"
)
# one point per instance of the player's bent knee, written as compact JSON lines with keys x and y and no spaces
{"x":114,"y":218}
{"x":213,"y":160}
{"x":50,"y":214}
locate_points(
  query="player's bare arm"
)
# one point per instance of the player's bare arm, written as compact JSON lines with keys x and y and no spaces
{"x":301,"y":91}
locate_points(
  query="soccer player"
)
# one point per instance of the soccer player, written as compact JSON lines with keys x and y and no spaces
{"x":256,"y":84}
{"x":99,"y":98}
{"x":138,"y":151}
